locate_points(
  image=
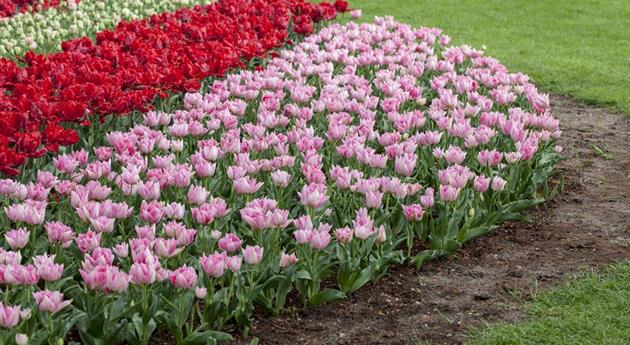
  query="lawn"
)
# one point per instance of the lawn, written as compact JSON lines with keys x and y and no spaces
{"x":579,"y":48}
{"x":592,"y":309}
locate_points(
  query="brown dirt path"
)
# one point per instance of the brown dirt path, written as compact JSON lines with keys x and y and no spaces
{"x":587,"y":225}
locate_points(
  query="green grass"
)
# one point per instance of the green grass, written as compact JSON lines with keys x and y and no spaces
{"x":593,"y":309}
{"x":579,"y":48}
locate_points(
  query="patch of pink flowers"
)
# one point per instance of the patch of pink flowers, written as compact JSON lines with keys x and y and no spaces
{"x":366,"y":133}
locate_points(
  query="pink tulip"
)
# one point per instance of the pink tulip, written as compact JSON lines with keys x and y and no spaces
{"x":287,"y":260}
{"x":26,"y":275}
{"x":313,"y":195}
{"x":280,"y":178}
{"x":96,"y":191}
{"x":121,"y":250}
{"x":166,"y":248}
{"x":201,"y":292}
{"x":102,"y":224}
{"x":448,"y":193}
{"x":149,"y":190}
{"x":88,"y":241}
{"x":428,"y":199}
{"x":303,"y":222}
{"x":103,"y":153}
{"x":9,"y":316}
{"x":233,"y":263}
{"x":21,"y":339}
{"x":118,"y":281}
{"x":246,"y":185}
{"x":65,"y":164}
{"x":184,"y":277}
{"x":25,"y":313}
{"x":341,"y":176}
{"x":140,"y":248}
{"x":47,"y":269}
{"x":278,"y":218}
{"x":95,"y":277}
{"x":344,"y":235}
{"x":203,"y":214}
{"x":31,"y":212}
{"x":50,"y":301}
{"x":197,"y":195}
{"x":64,"y":187}
{"x":454,"y":155}
{"x":236,"y":172}
{"x":162,"y":274}
{"x":319,"y":240}
{"x":213,"y":264}
{"x":303,"y":236}
{"x":373,"y":199}
{"x":142,"y":273}
{"x":230,"y":243}
{"x":98,"y":257}
{"x":205,"y":169}
{"x":59,"y":233}
{"x":405,"y":164}
{"x":186,"y":237}
{"x":413,"y":212}
{"x":253,"y":254}
{"x":151,"y":212}
{"x":498,"y":184}
{"x":363,"y":225}
{"x":46,"y":179}
{"x":481,"y":183}
{"x":17,"y":239}
{"x":10,"y":257}
{"x":174,"y":210}
{"x":146,"y":232}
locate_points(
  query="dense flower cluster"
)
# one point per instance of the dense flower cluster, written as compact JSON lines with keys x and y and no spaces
{"x":362,"y":138}
{"x":9,"y":8}
{"x":44,"y":31}
{"x":128,"y":67}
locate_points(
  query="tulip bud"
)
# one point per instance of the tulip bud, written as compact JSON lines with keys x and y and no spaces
{"x":21,"y":339}
{"x":201,"y":292}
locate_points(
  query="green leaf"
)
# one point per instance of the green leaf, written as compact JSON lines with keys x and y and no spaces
{"x":327,"y":295}
{"x":512,"y":216}
{"x":302,"y":274}
{"x":519,"y":205}
{"x":366,"y":275}
{"x":456,"y":217}
{"x":203,"y":337}
{"x":281,"y":293}
{"x":427,"y":255}
{"x":478,"y":231}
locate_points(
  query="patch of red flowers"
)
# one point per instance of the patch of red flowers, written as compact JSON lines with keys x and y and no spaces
{"x":130,"y":65}
{"x":9,"y":8}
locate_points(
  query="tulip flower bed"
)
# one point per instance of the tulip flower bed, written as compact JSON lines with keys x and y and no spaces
{"x":9,"y":8}
{"x":130,"y":66}
{"x":365,"y":146}
{"x":43,"y":32}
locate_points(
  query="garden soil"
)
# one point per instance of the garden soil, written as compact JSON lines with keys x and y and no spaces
{"x":585,"y":227}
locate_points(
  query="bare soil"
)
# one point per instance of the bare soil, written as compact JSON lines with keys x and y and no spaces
{"x":585,"y":226}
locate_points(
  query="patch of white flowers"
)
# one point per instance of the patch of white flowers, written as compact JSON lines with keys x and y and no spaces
{"x":44,"y":31}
